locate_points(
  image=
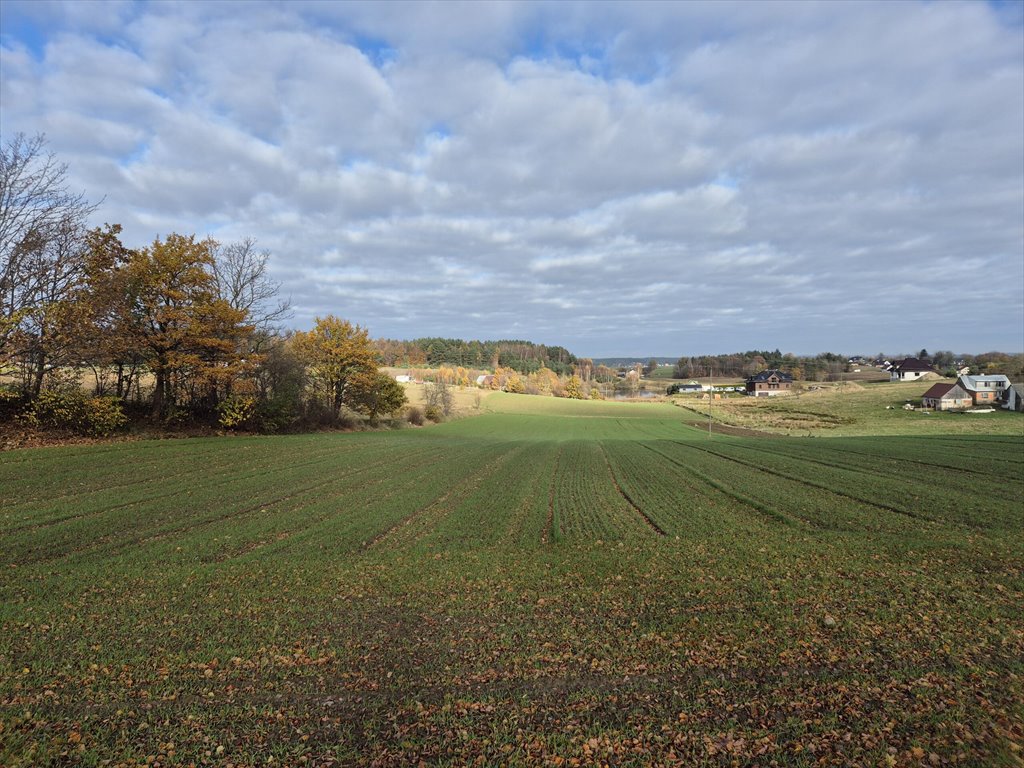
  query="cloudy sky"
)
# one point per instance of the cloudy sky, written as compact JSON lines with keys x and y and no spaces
{"x":634,"y":178}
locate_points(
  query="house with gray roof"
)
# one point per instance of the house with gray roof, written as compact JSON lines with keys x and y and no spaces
{"x":985,"y":390}
{"x":768,"y":383}
{"x":1013,"y":398}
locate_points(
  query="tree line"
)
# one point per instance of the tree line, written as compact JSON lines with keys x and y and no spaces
{"x":524,"y":357}
{"x":829,"y":366}
{"x":744,"y":364}
{"x":180,"y":330}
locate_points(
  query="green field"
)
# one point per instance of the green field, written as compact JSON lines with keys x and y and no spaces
{"x":847,"y":410}
{"x":548,"y":583}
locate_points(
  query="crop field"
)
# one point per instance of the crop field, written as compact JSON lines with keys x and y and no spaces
{"x":547,"y":583}
{"x":851,"y":409}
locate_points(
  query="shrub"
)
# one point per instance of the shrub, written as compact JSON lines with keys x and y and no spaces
{"x":276,"y":414}
{"x":95,"y":416}
{"x":104,"y":416}
{"x":11,"y":402}
{"x":434,"y":413}
{"x":238,"y":412}
{"x":414,"y":416}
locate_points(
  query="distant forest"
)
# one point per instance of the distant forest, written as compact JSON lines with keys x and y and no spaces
{"x":521,"y":356}
{"x":528,"y":357}
{"x":827,"y":366}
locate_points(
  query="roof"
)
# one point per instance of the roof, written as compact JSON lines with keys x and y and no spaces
{"x":972,"y":382}
{"x":765,"y":375}
{"x":938,"y":390}
{"x":990,"y":377}
{"x":913,"y":364}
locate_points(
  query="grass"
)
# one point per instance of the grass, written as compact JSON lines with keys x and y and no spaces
{"x":852,"y":410}
{"x":548,"y":583}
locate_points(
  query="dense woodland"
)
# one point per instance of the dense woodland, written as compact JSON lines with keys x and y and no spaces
{"x":520,"y":356}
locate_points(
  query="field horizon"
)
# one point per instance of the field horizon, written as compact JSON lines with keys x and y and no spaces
{"x":549,"y":582}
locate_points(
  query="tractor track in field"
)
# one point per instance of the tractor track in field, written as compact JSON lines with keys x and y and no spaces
{"x":280,"y":536}
{"x":142,"y":540}
{"x":770,"y":512}
{"x":267,"y":504}
{"x":816,"y":486}
{"x":458,"y":491}
{"x":301,"y":492}
{"x":918,"y":462}
{"x":92,"y":513}
{"x":629,"y":500}
{"x":864,"y":470}
{"x":228,"y":460}
{"x":549,"y":524}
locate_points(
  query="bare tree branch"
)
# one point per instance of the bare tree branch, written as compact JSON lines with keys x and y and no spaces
{"x":41,"y":228}
{"x":241,"y":274}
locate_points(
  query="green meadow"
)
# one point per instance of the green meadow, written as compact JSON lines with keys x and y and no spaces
{"x":547,"y":583}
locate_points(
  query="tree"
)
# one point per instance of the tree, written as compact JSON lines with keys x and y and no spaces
{"x":240,"y":274}
{"x":46,"y":336}
{"x":187,"y":334}
{"x":41,"y":224}
{"x":943,"y":360}
{"x":574,"y":388}
{"x":375,"y":393}
{"x":335,"y":352}
{"x":439,"y":396}
{"x":651,"y":367}
{"x":106,"y":314}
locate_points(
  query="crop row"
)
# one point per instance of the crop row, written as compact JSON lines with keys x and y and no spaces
{"x":915,"y":491}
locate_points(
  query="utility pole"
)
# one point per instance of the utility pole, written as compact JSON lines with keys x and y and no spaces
{"x":711,"y":399}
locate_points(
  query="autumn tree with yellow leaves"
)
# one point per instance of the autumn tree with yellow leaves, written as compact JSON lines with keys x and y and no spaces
{"x":335,"y":352}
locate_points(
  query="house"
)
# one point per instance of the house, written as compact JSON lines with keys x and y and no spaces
{"x":689,"y":387}
{"x":403,"y":379}
{"x":947,"y":397}
{"x":910,"y":369}
{"x":1013,"y":398}
{"x":985,"y":390}
{"x":767,"y":383}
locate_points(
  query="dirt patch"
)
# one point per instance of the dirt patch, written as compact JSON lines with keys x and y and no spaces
{"x":725,"y":429}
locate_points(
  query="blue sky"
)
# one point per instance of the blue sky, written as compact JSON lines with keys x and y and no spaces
{"x":618,"y":178}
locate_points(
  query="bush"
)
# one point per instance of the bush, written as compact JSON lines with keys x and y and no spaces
{"x":93,"y":416}
{"x":11,"y":403}
{"x":434,"y":413}
{"x":276,"y":414}
{"x":414,"y":416}
{"x":238,"y":412}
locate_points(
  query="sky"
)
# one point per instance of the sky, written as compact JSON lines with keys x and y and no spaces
{"x":617,"y":178}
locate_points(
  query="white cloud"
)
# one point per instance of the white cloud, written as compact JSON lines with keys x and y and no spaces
{"x":602,"y":176}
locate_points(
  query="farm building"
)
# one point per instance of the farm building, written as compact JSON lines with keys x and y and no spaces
{"x":688,"y":387}
{"x":403,"y":379}
{"x":911,"y":369}
{"x":985,"y":390}
{"x":947,"y":397}
{"x":1013,"y":398}
{"x":768,"y":383}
